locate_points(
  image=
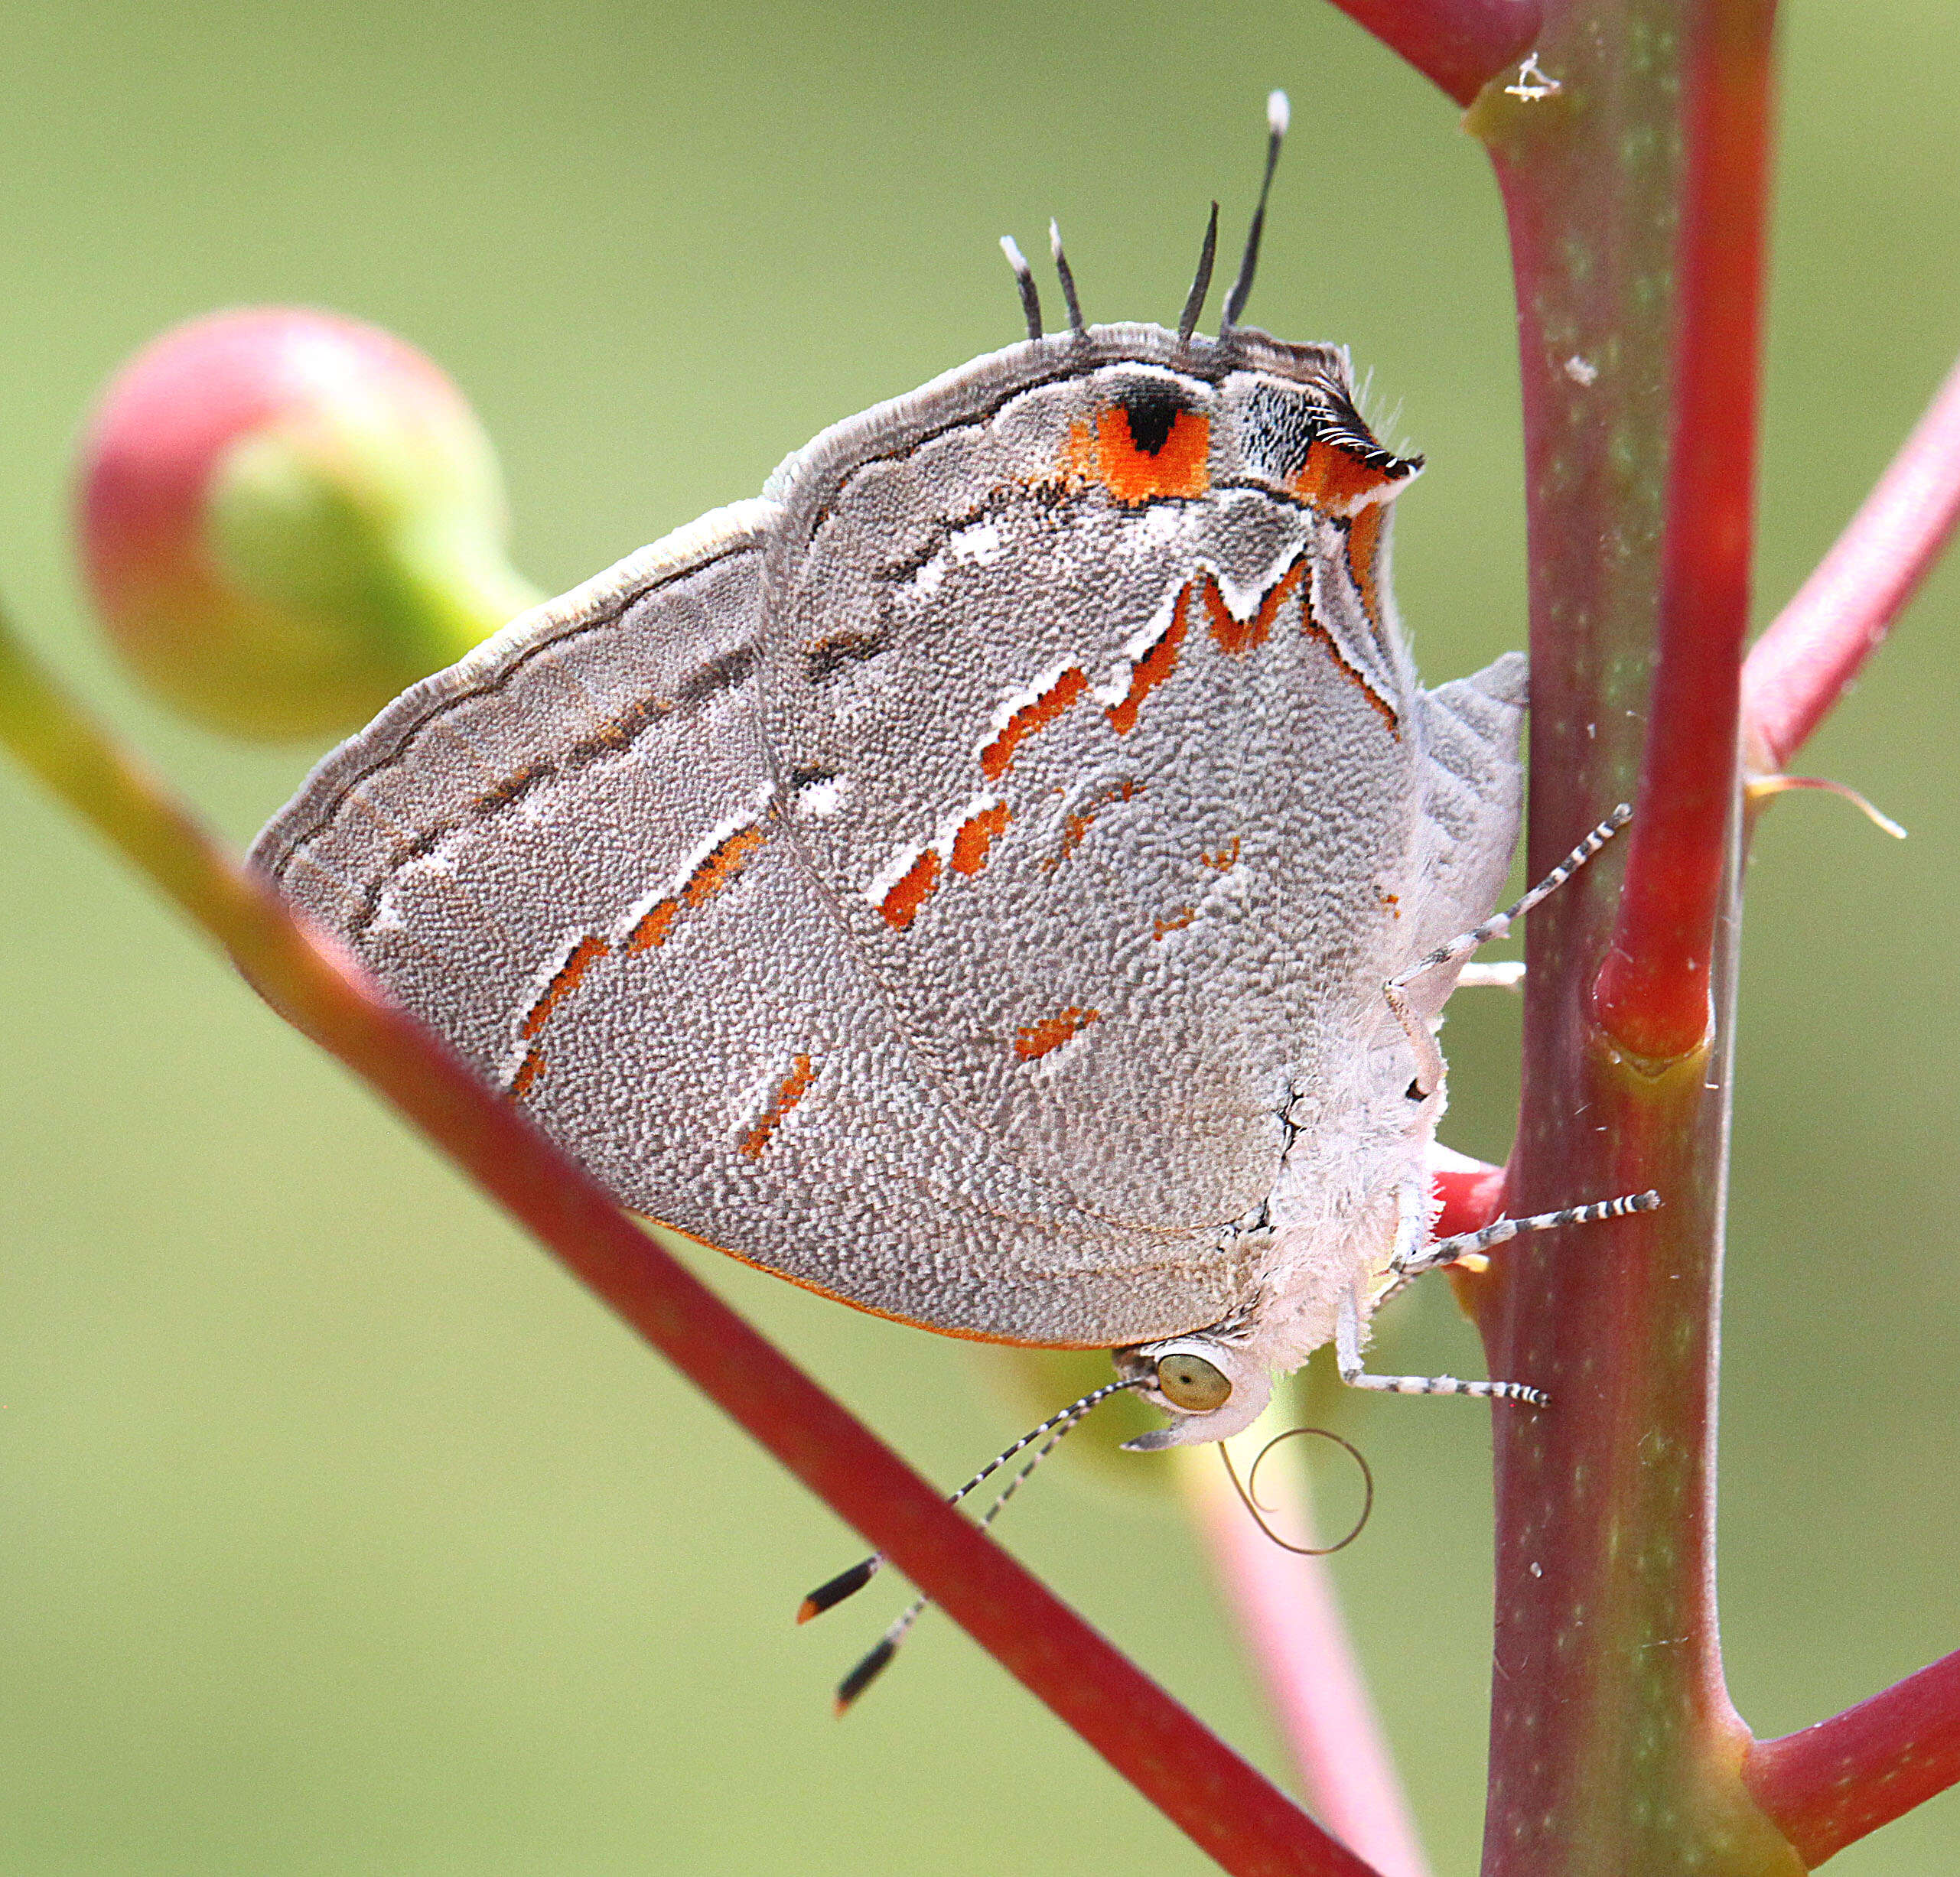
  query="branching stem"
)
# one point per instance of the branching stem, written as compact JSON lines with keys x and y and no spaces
{"x":1459,"y":45}
{"x":1246,"y":1823}
{"x":1829,"y":1785}
{"x":1653,"y":996}
{"x":1813,"y":651}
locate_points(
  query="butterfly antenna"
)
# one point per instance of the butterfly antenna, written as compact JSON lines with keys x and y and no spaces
{"x":847,"y":1583}
{"x":1279,"y":115}
{"x":1194,"y":301}
{"x":1024,"y":278}
{"x":878,"y":1659}
{"x":1062,"y":267}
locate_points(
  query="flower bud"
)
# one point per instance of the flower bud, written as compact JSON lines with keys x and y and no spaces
{"x":286,"y":518}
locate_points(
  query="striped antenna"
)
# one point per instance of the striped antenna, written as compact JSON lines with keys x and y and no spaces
{"x":1024,"y":278}
{"x":1194,"y":301}
{"x":1068,"y":278}
{"x":827,"y":1596}
{"x":878,"y":1658}
{"x":1279,"y":113}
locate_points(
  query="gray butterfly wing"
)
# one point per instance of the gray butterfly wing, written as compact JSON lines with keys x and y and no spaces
{"x":1473,"y":786}
{"x":570,"y":855}
{"x":1127,"y":777}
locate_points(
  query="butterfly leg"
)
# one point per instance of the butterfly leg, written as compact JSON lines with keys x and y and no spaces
{"x":1444,"y":1251}
{"x":1508,"y":975}
{"x":1428,"y":1057}
{"x":1347,"y":1354}
{"x":1499,"y":923}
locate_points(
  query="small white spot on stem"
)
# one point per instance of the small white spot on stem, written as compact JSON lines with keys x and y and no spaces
{"x":1532,"y":83}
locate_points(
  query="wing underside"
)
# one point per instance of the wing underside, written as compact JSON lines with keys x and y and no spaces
{"x":938,"y":881}
{"x":568,"y":856}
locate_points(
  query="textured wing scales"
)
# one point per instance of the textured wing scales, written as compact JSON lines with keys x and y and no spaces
{"x":569,"y":854}
{"x":1472,"y":799}
{"x":1127,"y":792}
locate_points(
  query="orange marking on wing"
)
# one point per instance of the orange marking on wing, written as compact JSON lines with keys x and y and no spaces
{"x":653,"y":929}
{"x":1181,"y":469}
{"x":528,"y":1073}
{"x":997,"y":758}
{"x":1178,"y":920}
{"x":859,"y":1303}
{"x":721,"y":866}
{"x":796,"y":1085}
{"x":1364,"y":542}
{"x":1076,"y":824}
{"x":1077,"y":463}
{"x":724,"y":861}
{"x":1237,"y":636}
{"x":1152,"y":668}
{"x":975,"y":836}
{"x":1052,"y":1032}
{"x":1224,"y":860}
{"x":901,"y":905}
{"x":1335,"y":479}
{"x":588,"y":951}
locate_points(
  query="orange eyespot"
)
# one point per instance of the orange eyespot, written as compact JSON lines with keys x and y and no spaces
{"x":1134,"y":473}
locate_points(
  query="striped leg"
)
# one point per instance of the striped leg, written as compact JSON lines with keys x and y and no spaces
{"x":1499,"y":923}
{"x":1408,"y":1265}
{"x":1508,"y":975}
{"x":1429,"y":1068}
{"x":1347,"y":1354}
{"x":1448,"y":1250}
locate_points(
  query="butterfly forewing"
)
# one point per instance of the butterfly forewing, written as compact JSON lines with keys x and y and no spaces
{"x":1117,"y":785}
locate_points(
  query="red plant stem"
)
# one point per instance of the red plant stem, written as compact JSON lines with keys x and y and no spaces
{"x":1652,"y":993}
{"x":1289,"y":1612}
{"x":1829,"y":1785}
{"x":1246,"y":1823}
{"x":1459,"y":45}
{"x":1813,"y":650}
{"x":1613,"y":1745}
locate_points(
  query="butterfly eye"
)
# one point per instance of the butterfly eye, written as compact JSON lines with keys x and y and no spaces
{"x":1191,"y":1383}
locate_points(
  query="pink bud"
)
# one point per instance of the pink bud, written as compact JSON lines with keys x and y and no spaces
{"x":286,"y":518}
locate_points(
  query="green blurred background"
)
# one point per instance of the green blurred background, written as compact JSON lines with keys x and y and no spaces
{"x":340,"y":1532}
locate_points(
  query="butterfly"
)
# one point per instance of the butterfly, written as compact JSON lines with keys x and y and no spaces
{"x":1006,"y":876}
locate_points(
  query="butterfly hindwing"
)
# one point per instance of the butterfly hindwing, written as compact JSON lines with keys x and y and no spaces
{"x":570,"y":855}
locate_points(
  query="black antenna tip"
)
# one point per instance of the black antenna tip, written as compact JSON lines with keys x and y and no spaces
{"x":1194,"y":301}
{"x":827,"y":1596}
{"x":1279,"y":114}
{"x":1062,"y":267}
{"x":1024,"y":278}
{"x":861,"y":1677}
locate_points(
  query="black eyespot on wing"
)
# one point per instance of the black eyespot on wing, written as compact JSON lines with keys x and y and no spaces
{"x":1152,"y":409}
